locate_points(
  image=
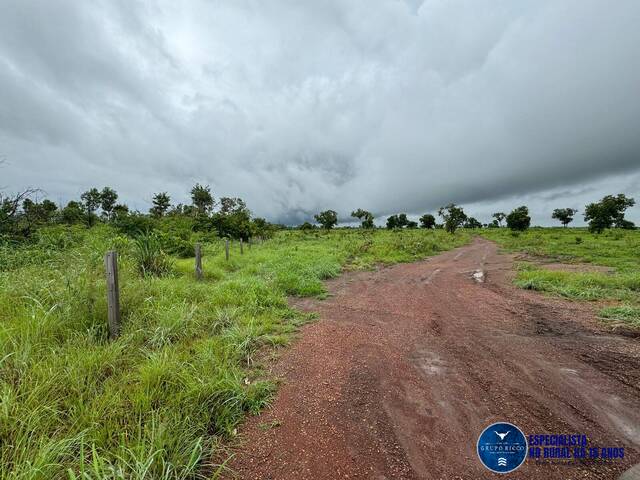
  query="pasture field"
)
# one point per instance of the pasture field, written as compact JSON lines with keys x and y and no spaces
{"x":617,"y":287}
{"x":154,"y":403}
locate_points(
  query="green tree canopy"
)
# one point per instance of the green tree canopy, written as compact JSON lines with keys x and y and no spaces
{"x":202,"y":198}
{"x":161,"y":204}
{"x":307,"y":226}
{"x":364,"y":216}
{"x":499,"y":217}
{"x":564,"y":215}
{"x":608,"y":212}
{"x":519,"y":219}
{"x":328,"y":219}
{"x":472,"y":223}
{"x":427,"y":221}
{"x":397,"y":221}
{"x":453,"y":216}
{"x":108,"y":199}
{"x":91,"y":200}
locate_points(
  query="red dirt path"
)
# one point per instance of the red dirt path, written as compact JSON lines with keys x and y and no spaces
{"x":408,"y":364}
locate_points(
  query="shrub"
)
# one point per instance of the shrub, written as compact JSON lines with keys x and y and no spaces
{"x":519,"y":219}
{"x":149,"y":257}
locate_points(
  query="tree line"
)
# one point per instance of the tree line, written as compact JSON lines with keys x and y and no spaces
{"x":21,"y":215}
{"x":607,"y":213}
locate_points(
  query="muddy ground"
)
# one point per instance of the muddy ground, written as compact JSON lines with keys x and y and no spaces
{"x":408,"y":364}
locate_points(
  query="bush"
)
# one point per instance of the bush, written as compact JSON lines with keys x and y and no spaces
{"x":149,"y":257}
{"x":133,"y":224}
{"x":519,"y":219}
{"x":175,"y":245}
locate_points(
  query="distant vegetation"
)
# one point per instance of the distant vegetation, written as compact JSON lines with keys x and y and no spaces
{"x":365,"y":217}
{"x":327,"y":219}
{"x":564,"y":215}
{"x":608,"y":212}
{"x":519,"y":219}
{"x":175,"y":227}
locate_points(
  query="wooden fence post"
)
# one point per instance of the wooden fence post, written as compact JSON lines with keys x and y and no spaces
{"x":241,"y":247}
{"x":249,"y":242}
{"x":198,"y":248}
{"x":113,"y":293}
{"x":226,"y":248}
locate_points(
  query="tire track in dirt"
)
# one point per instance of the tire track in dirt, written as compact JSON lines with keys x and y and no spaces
{"x":408,"y":364}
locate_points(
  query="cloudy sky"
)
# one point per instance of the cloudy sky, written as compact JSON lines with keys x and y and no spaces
{"x":297,"y":106}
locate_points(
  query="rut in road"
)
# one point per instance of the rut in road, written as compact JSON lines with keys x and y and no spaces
{"x":408,"y":364}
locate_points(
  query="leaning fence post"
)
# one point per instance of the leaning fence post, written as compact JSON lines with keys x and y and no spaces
{"x":226,"y":248}
{"x":198,"y":249}
{"x":241,"y":248}
{"x":113,"y":293}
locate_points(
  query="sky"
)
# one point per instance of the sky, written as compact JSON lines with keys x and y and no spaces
{"x":300,"y":106}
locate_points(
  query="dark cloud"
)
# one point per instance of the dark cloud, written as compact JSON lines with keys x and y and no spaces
{"x":389,"y":105}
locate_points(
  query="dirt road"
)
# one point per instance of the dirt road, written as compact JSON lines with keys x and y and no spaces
{"x":408,"y":364}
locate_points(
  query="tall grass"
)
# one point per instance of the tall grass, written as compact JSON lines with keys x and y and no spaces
{"x":149,"y":257}
{"x":155,"y":403}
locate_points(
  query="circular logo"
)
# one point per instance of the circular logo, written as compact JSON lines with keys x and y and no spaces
{"x":502,"y":447}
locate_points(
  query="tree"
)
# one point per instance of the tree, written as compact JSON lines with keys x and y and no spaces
{"x":365,"y":217}
{"x":260,"y":227}
{"x":108,"y":198}
{"x":10,"y":209}
{"x":608,"y":212}
{"x":307,"y":226}
{"x":73,"y":213}
{"x":233,"y":219}
{"x":328,"y":219}
{"x":564,"y":215}
{"x":161,"y":204}
{"x":472,"y":223}
{"x":35,"y":214}
{"x":91,"y":200}
{"x":499,"y":216}
{"x":427,"y":221}
{"x":412,"y":224}
{"x":519,"y":219}
{"x":49,"y":208}
{"x":453,"y":217}
{"x":120,"y":210}
{"x":202,"y":198}
{"x":229,"y":205}
{"x":397,"y":221}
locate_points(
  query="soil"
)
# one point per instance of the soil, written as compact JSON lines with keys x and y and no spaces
{"x":549,"y":263}
{"x":408,"y":364}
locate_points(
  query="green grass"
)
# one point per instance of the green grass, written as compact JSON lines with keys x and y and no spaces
{"x":622,"y":314}
{"x":155,"y":403}
{"x":618,"y":249}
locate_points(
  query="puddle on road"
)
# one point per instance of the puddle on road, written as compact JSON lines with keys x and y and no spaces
{"x":429,"y":363}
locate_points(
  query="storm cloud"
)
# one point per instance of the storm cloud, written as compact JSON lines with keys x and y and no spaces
{"x":388,"y":105}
